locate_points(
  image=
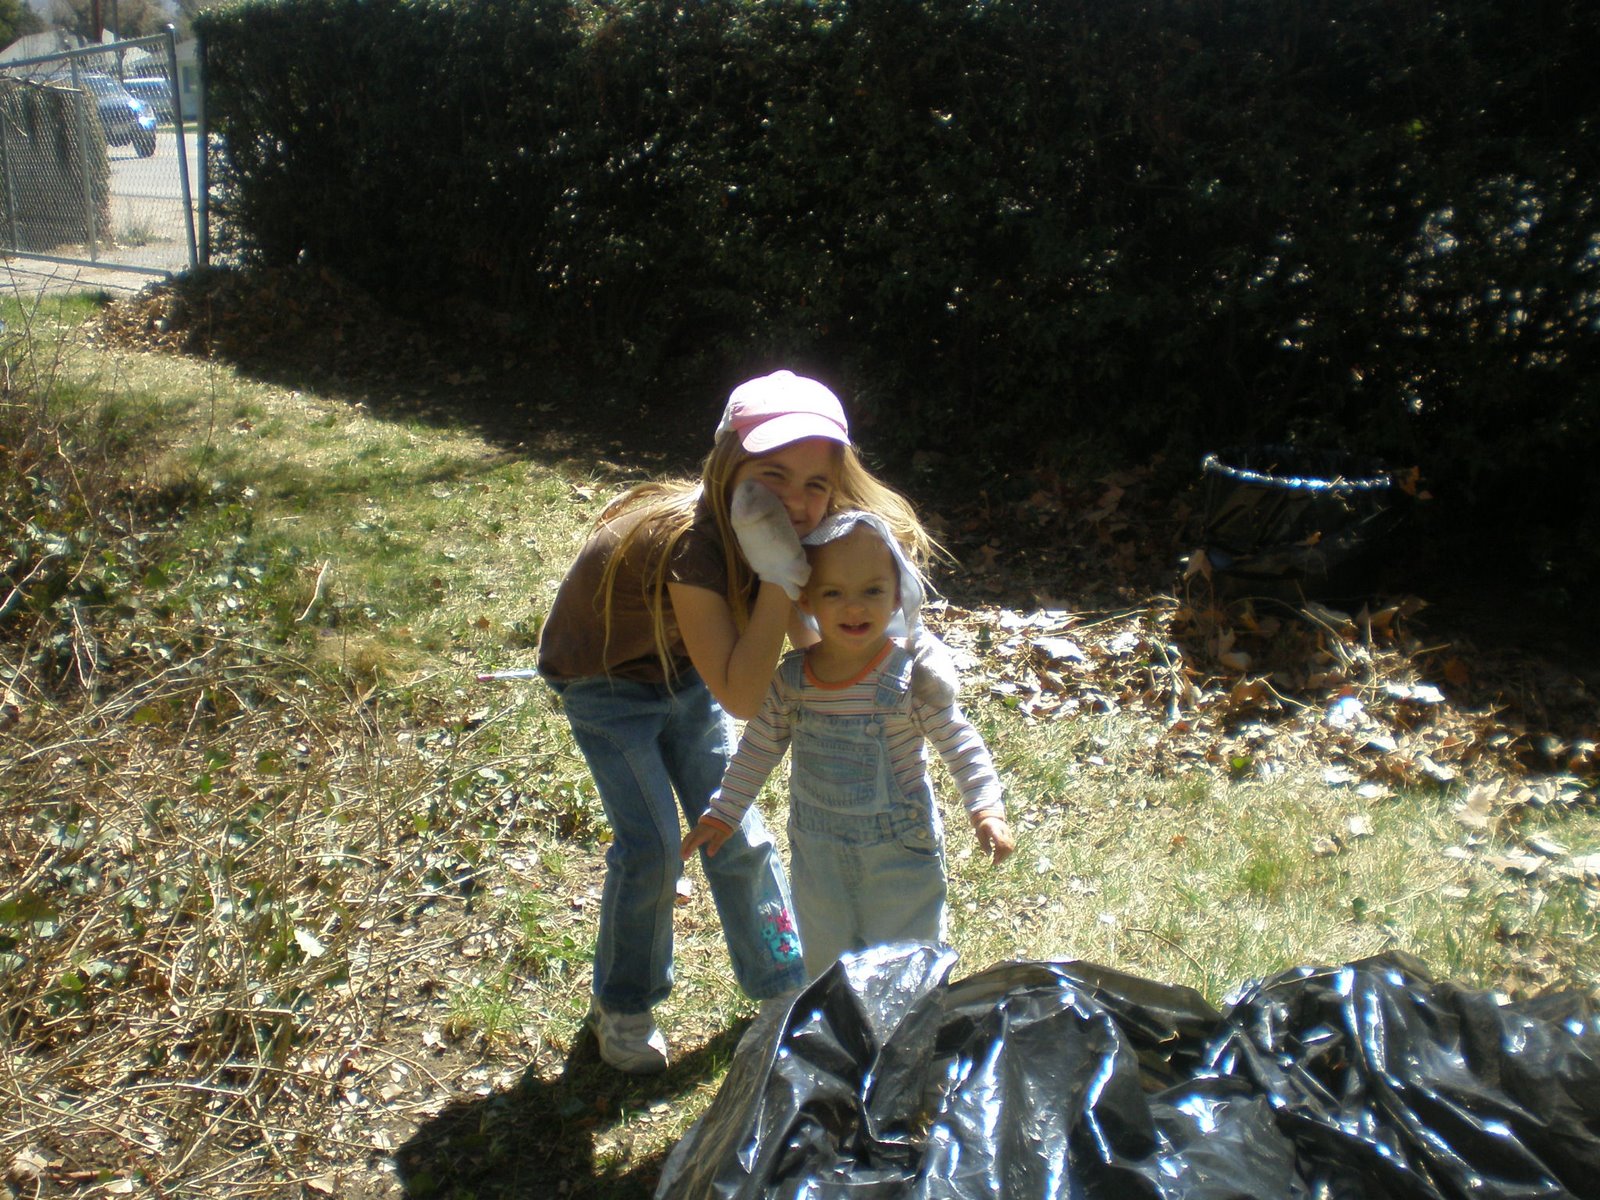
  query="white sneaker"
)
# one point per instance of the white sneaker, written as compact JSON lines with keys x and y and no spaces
{"x":628,"y":1041}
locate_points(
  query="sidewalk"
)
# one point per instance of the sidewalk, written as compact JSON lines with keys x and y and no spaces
{"x":26,"y":278}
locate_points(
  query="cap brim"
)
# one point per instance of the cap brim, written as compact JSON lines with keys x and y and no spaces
{"x":785,"y":428}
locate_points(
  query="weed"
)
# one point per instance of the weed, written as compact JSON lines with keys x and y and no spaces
{"x":136,"y":233}
{"x":487,"y":1008}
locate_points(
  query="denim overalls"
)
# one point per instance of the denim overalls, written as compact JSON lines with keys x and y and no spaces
{"x":866,"y":859}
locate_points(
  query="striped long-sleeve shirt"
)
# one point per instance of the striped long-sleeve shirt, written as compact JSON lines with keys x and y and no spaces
{"x":907,"y":734}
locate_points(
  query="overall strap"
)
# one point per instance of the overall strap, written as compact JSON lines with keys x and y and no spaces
{"x":894,"y":682}
{"x":792,"y":673}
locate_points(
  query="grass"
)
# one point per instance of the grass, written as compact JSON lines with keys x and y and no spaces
{"x":294,"y":905}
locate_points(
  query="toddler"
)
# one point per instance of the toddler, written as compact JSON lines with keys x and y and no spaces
{"x":865,"y":838}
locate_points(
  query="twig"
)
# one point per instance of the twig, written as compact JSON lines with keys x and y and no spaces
{"x":316,"y":591}
{"x":1161,"y":937}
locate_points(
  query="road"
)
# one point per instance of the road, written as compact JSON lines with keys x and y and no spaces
{"x":147,"y":225}
{"x":156,"y":177}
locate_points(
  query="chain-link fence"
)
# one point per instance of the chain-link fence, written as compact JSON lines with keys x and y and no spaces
{"x":98,"y":162}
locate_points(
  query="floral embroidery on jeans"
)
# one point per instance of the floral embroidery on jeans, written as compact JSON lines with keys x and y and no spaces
{"x":777,"y":926}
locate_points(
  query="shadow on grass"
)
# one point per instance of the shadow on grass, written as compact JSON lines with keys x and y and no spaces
{"x":540,"y":1138}
{"x":454,"y":367}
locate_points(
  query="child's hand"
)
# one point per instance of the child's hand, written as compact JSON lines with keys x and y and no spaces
{"x":768,"y":539}
{"x":994,"y":835}
{"x":709,"y":833}
{"x":934,"y":678}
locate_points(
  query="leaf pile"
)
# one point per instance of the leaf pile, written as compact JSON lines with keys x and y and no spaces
{"x":1248,"y":685}
{"x":274,"y":320}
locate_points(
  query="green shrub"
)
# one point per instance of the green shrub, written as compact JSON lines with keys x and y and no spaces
{"x":1006,"y":227}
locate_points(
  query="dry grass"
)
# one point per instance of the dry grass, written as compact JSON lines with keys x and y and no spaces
{"x":292,"y":906}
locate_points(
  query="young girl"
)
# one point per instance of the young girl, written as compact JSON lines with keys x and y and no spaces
{"x":672,"y":617}
{"x":865,"y":839}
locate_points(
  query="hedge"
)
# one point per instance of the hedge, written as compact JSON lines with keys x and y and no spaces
{"x":1016,"y":228}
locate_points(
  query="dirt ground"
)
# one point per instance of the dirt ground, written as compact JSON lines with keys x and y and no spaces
{"x":30,"y":277}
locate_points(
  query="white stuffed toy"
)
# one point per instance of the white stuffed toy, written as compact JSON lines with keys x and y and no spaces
{"x":767,"y":538}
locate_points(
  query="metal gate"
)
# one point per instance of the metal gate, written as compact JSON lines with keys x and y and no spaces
{"x":98,"y":158}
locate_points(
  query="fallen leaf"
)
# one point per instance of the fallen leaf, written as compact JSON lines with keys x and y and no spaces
{"x":28,"y":1166}
{"x":1548,"y":847}
{"x":1515,"y":864}
{"x":1581,"y":866}
{"x":1436,"y":771}
{"x":1414,"y":693}
{"x":1345,"y":712}
{"x":308,"y":943}
{"x":1060,"y":649}
{"x":1123,"y":643}
{"x":1235,"y":660}
{"x":1477,"y":810}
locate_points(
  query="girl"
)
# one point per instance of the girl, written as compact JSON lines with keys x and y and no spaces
{"x":671,"y":618}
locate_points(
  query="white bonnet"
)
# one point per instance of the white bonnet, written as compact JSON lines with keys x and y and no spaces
{"x":909,"y":618}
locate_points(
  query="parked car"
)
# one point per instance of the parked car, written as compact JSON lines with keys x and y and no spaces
{"x":127,"y":120}
{"x":156,"y":92}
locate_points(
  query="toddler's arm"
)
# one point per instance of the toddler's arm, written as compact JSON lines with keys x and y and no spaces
{"x":934,"y":677}
{"x":710,"y":833}
{"x":972,"y":767}
{"x":762,"y":745}
{"x":994,"y":835}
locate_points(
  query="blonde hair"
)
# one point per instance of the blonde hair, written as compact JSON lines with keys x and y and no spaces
{"x":671,"y":507}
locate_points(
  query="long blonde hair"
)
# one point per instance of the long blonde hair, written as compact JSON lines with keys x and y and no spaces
{"x":671,"y":506}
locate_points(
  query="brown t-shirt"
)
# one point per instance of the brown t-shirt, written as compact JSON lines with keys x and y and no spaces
{"x":573,"y":643}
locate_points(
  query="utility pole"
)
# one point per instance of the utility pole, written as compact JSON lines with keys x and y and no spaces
{"x":94,"y":20}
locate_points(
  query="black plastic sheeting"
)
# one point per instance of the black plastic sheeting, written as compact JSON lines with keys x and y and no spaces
{"x":882,"y":1078}
{"x":1313,"y":519}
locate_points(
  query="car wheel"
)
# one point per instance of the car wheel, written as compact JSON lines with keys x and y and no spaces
{"x":144,"y":142}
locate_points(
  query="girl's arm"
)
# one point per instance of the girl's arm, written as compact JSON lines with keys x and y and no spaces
{"x":801,"y":634}
{"x":737,"y":667}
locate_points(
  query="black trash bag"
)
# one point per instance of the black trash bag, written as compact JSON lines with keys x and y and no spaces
{"x":1287,"y":519}
{"x":881,"y":1079}
{"x":884,"y":1079}
{"x":1390,"y":1084}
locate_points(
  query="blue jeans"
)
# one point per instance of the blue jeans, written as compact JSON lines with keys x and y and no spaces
{"x":655,"y":750}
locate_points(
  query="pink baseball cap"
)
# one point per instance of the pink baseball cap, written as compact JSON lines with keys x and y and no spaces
{"x":773,"y":410}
